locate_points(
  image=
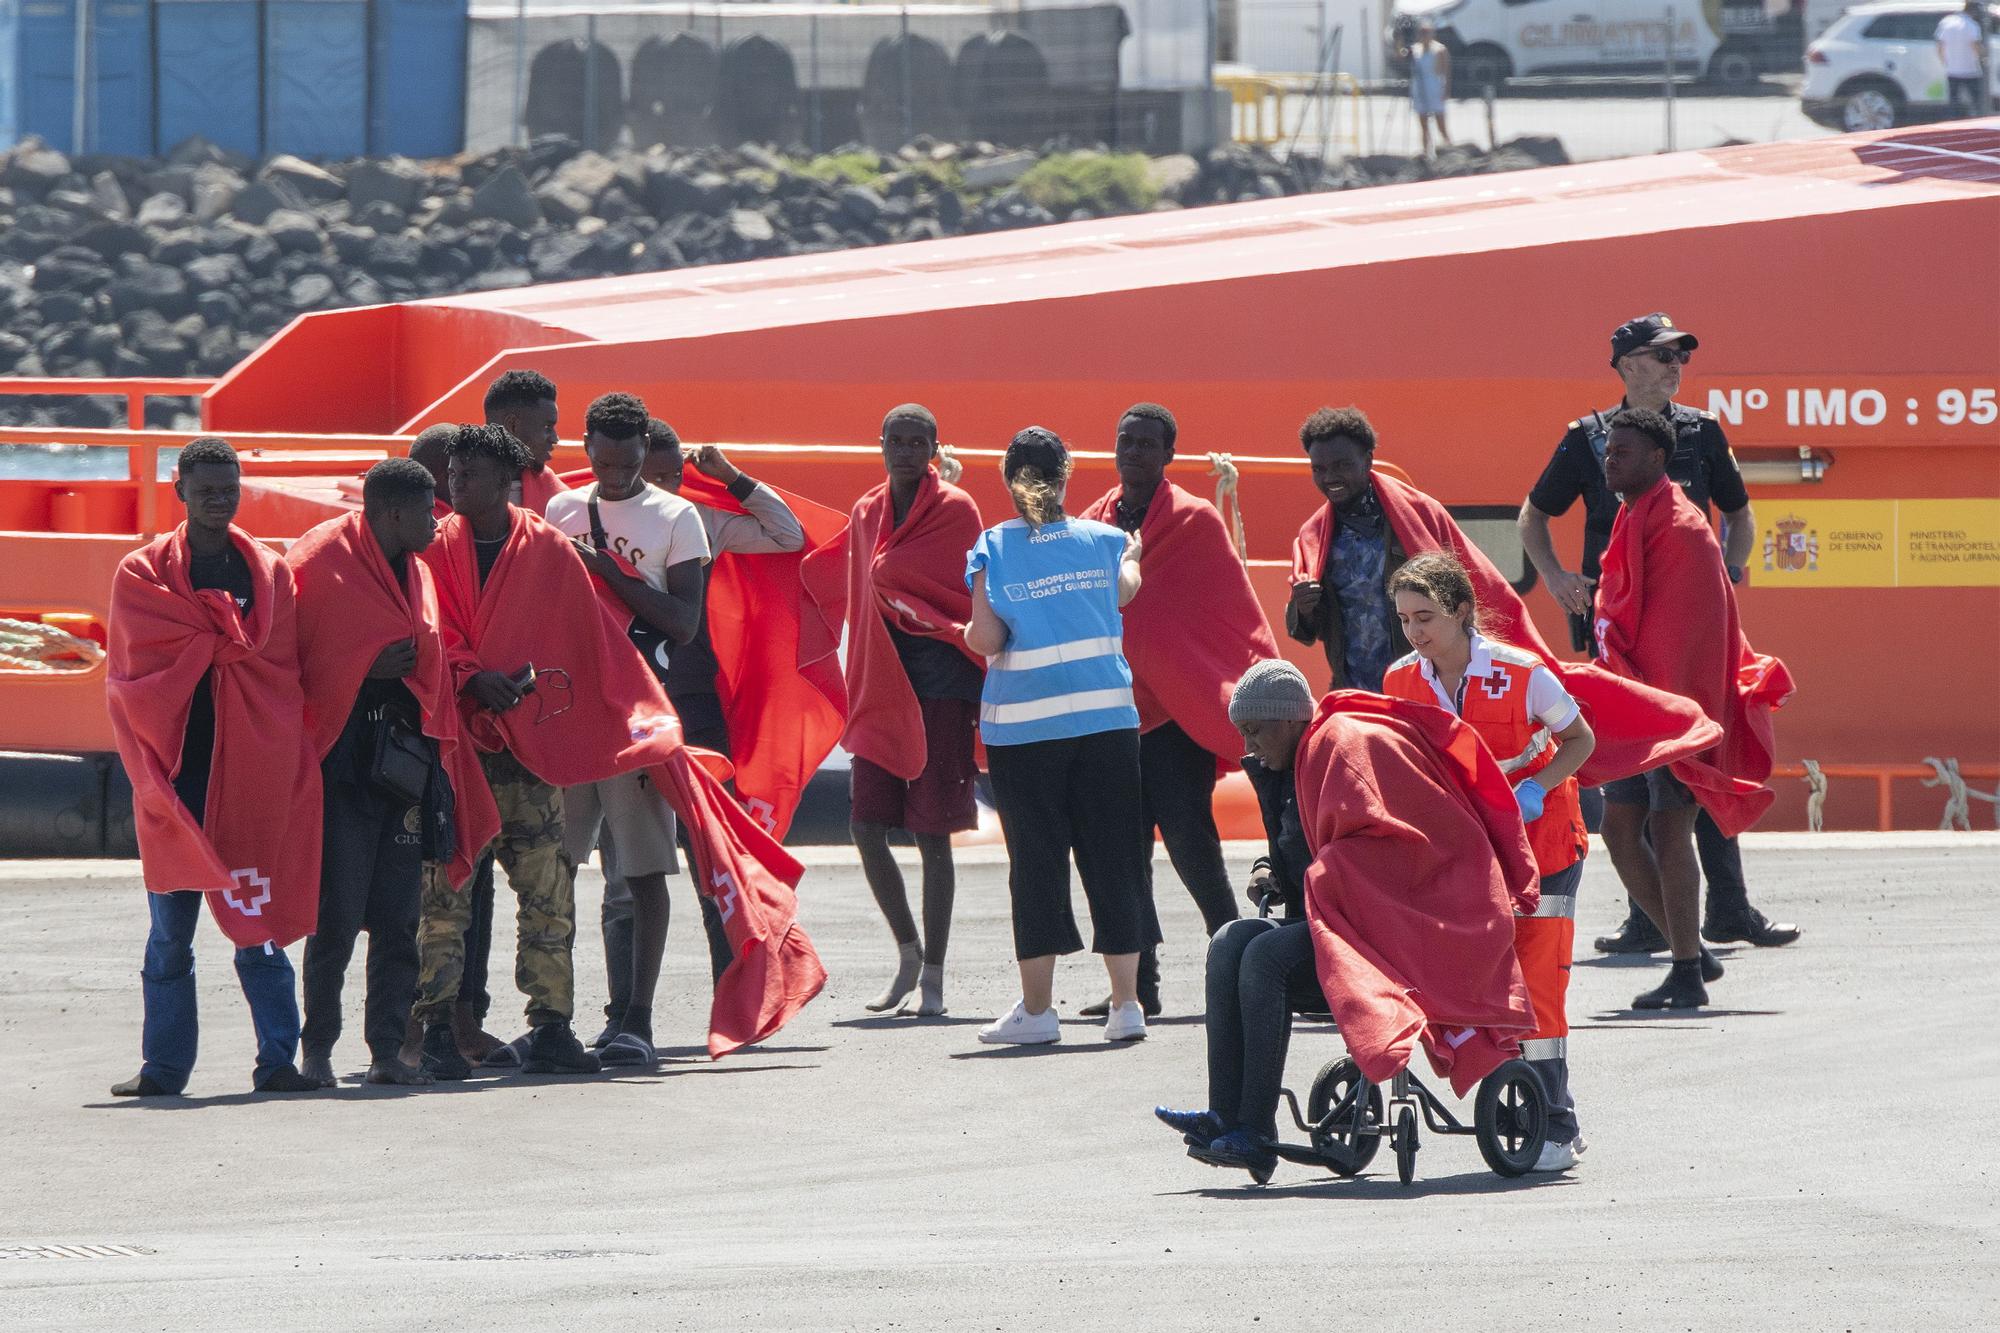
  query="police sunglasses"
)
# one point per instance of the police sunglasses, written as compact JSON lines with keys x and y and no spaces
{"x":1666,"y":356}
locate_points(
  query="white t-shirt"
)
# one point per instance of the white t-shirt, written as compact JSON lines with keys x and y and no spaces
{"x":654,"y":529}
{"x":1958,"y":34}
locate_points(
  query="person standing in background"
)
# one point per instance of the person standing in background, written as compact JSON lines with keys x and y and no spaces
{"x":1961,"y":46}
{"x":1430,"y":81}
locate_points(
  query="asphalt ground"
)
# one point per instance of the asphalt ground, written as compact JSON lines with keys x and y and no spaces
{"x":1814,"y":1152}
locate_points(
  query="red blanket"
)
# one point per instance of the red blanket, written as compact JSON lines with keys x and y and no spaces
{"x":597,"y":711}
{"x":780,"y":684}
{"x":1419,"y":865}
{"x":1637,"y":727}
{"x":1666,"y":615}
{"x":538,"y":488}
{"x":913,"y":576}
{"x":1188,"y":565}
{"x":350,"y":607}
{"x":257,"y":853}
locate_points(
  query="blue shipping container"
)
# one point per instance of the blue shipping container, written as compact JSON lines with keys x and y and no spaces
{"x":210,"y":74}
{"x":316,"y":78}
{"x":417,"y":87}
{"x":38,"y":38}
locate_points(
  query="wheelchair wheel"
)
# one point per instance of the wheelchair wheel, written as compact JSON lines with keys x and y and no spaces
{"x":1346,"y":1153}
{"x":1511,"y":1118}
{"x":1406,"y":1145}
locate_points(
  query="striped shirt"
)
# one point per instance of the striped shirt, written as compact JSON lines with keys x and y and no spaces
{"x":1063,"y":672}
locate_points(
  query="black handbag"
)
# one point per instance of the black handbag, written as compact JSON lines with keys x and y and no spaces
{"x":401,"y":762}
{"x":653,"y":644}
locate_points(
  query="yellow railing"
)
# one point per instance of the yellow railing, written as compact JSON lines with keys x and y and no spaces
{"x":1257,"y":106}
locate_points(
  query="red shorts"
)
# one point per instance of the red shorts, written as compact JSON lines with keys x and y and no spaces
{"x":938,"y":800}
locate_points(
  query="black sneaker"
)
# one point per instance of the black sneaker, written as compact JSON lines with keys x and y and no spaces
{"x":441,"y":1058}
{"x":1711,"y":966}
{"x":1637,"y":935}
{"x":554,"y":1049}
{"x":1748,"y":925}
{"x":1681,"y":990}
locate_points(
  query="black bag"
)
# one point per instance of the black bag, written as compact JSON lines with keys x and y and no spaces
{"x":401,"y":762}
{"x":653,"y":644}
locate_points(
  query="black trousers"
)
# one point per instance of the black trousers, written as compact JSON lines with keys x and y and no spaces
{"x":478,"y":939}
{"x":1177,"y":778}
{"x":1260,"y":972}
{"x":371,"y":877}
{"x":1081,"y":794}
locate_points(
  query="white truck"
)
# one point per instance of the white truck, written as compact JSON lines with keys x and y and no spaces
{"x":1729,"y":42}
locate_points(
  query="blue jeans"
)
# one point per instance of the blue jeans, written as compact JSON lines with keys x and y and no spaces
{"x":171,"y":1030}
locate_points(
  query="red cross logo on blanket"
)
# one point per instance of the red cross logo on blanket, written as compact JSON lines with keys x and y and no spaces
{"x":255,"y":886}
{"x":725,"y":897}
{"x":764,"y":813}
{"x":1497,"y":684}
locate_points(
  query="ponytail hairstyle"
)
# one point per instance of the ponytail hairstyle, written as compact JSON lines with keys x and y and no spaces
{"x":1036,"y":470}
{"x":1439,"y":576}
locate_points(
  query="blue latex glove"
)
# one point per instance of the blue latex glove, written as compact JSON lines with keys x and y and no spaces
{"x":1530,"y":794}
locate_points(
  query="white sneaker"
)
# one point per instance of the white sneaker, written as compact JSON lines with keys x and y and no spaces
{"x":1560,"y":1156}
{"x":1125,"y":1022}
{"x":1021,"y":1028}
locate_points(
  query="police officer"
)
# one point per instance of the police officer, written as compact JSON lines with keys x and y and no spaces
{"x":1648,"y":354}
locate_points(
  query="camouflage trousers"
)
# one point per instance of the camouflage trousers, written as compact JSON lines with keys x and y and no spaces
{"x":529,"y":849}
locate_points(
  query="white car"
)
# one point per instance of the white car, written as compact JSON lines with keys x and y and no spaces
{"x":1877,"y":66}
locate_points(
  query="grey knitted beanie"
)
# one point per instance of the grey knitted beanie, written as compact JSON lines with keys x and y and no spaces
{"x":1274,"y":691}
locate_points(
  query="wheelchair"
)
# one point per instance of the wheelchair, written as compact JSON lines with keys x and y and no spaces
{"x":1346,"y":1117}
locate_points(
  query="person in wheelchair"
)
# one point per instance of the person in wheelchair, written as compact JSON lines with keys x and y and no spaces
{"x":1260,"y":970}
{"x":1417,"y":863}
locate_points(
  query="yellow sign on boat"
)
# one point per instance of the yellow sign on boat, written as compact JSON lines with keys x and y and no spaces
{"x":1880,"y":544}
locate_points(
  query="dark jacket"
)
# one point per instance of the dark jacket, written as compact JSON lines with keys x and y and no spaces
{"x":1278,"y":802}
{"x":1325,"y":627}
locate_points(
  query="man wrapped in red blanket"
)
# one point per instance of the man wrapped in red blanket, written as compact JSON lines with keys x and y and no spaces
{"x":1371,"y":523}
{"x":514,"y":595}
{"x":896,"y":578}
{"x":402,"y":785}
{"x":1181,"y":681}
{"x":210,"y":721}
{"x":1666,"y":615}
{"x":1420,"y":864}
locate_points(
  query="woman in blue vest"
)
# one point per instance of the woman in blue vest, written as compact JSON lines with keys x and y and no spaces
{"x":1062,"y":736}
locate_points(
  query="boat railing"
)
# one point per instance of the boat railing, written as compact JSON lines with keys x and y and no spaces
{"x":135,"y":391}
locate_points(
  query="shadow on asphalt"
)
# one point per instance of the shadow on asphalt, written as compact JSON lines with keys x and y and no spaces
{"x":1671,"y":1019}
{"x":353,"y":1088}
{"x":888,"y":1021}
{"x":1044,"y":1048}
{"x":1373,"y":1188}
{"x":1616,"y":961}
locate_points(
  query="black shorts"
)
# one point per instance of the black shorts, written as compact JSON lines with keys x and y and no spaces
{"x":1656,"y":789}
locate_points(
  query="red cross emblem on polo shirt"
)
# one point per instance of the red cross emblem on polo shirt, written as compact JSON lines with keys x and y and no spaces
{"x":255,"y":886}
{"x":1497,"y":684}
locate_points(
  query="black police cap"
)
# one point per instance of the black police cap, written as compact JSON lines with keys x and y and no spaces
{"x":1654,"y":330}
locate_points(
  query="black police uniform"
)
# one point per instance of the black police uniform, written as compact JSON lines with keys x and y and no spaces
{"x":1701,"y":465}
{"x":1705,"y":470}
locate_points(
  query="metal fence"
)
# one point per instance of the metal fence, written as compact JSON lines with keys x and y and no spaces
{"x":1660,"y":100}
